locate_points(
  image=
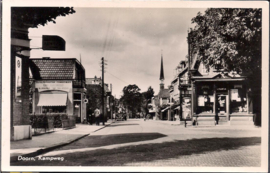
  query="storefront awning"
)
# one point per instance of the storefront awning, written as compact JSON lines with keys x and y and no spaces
{"x":165,"y":109}
{"x":178,"y":107}
{"x":52,"y":100}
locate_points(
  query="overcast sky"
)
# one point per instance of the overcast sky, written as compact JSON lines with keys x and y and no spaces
{"x":130,"y":39}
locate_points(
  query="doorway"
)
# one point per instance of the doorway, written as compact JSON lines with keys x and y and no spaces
{"x":222,"y":107}
{"x":77,"y":111}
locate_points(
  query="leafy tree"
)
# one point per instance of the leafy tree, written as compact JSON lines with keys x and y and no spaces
{"x":233,"y":36}
{"x":34,"y":16}
{"x":147,"y":96}
{"x":94,"y":97}
{"x":132,"y":98}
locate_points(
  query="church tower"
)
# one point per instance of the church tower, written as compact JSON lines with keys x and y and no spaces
{"x":161,"y":78}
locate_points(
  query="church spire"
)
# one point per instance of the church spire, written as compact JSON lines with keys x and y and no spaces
{"x":161,"y":78}
{"x":161,"y":69}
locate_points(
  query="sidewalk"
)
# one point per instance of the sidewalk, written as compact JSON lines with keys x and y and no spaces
{"x":47,"y":142}
{"x":166,"y":122}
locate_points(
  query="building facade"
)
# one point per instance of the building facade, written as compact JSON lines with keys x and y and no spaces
{"x":94,"y":94}
{"x":214,"y":97}
{"x":59,"y":87}
{"x":221,"y":97}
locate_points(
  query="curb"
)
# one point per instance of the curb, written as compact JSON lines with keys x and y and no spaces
{"x":102,"y":127}
{"x":45,"y":150}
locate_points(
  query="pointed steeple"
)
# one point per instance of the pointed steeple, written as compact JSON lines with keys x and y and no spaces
{"x":161,"y":78}
{"x":161,"y":69}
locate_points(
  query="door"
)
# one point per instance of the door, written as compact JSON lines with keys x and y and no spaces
{"x":222,"y":107}
{"x":77,"y":111}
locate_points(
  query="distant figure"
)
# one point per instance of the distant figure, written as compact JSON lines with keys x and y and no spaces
{"x":89,"y":116}
{"x":97,"y":116}
{"x":114,"y":116}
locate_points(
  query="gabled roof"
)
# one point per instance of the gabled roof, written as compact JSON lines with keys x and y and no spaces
{"x":183,"y":71}
{"x":223,"y":77}
{"x":164,"y":93}
{"x":53,"y":68}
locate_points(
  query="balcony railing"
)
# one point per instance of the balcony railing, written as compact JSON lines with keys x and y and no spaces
{"x":79,"y":83}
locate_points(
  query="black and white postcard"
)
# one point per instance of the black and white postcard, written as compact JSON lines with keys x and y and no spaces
{"x":135,"y":86}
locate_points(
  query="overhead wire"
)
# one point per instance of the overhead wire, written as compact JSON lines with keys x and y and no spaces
{"x":118,"y":78}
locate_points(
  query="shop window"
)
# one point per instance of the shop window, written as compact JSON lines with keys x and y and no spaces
{"x":238,"y":100}
{"x":54,"y":109}
{"x":205,"y":100}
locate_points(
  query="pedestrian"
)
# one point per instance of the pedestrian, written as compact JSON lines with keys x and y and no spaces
{"x":97,"y":116}
{"x":89,"y":116}
{"x":114,"y":117}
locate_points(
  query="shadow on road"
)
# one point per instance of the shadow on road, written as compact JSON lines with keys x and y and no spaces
{"x":104,"y":140}
{"x":117,"y":125}
{"x":148,"y":152}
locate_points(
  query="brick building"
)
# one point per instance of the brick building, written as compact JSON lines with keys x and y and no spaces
{"x":58,"y":87}
{"x":23,"y":18}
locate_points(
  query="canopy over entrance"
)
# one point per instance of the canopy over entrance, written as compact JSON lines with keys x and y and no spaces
{"x":52,"y":99}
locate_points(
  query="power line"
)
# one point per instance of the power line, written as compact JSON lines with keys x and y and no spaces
{"x":118,"y":78}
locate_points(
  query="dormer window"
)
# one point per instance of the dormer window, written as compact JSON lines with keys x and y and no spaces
{"x":205,"y":69}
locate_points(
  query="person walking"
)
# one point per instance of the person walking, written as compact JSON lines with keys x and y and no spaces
{"x":114,"y":117}
{"x":97,"y":116}
{"x":89,"y":116}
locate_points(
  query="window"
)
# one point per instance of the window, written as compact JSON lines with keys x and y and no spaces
{"x":238,"y":100}
{"x":54,"y":109}
{"x":205,"y":99}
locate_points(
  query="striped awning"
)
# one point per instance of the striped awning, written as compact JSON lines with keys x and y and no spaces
{"x":52,"y":100}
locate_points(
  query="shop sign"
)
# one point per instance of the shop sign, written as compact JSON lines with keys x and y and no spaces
{"x":237,"y":86}
{"x":56,"y":85}
{"x":18,"y":79}
{"x":235,"y":95}
{"x":221,"y":89}
{"x":53,"y":42}
{"x":205,"y":87}
{"x":201,"y":101}
{"x":211,"y":98}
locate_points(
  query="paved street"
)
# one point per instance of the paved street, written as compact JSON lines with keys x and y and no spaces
{"x":153,"y":143}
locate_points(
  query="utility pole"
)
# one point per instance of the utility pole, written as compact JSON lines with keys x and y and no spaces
{"x":189,"y":56}
{"x":102,"y":93}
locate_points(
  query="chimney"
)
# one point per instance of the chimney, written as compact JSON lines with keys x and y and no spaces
{"x":111,"y":87}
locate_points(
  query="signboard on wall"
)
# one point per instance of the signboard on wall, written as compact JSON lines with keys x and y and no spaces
{"x":201,"y":101}
{"x":234,"y":94}
{"x":53,"y":85}
{"x":18,"y":78}
{"x":53,"y":42}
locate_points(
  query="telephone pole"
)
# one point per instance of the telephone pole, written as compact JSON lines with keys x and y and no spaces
{"x":102,"y":93}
